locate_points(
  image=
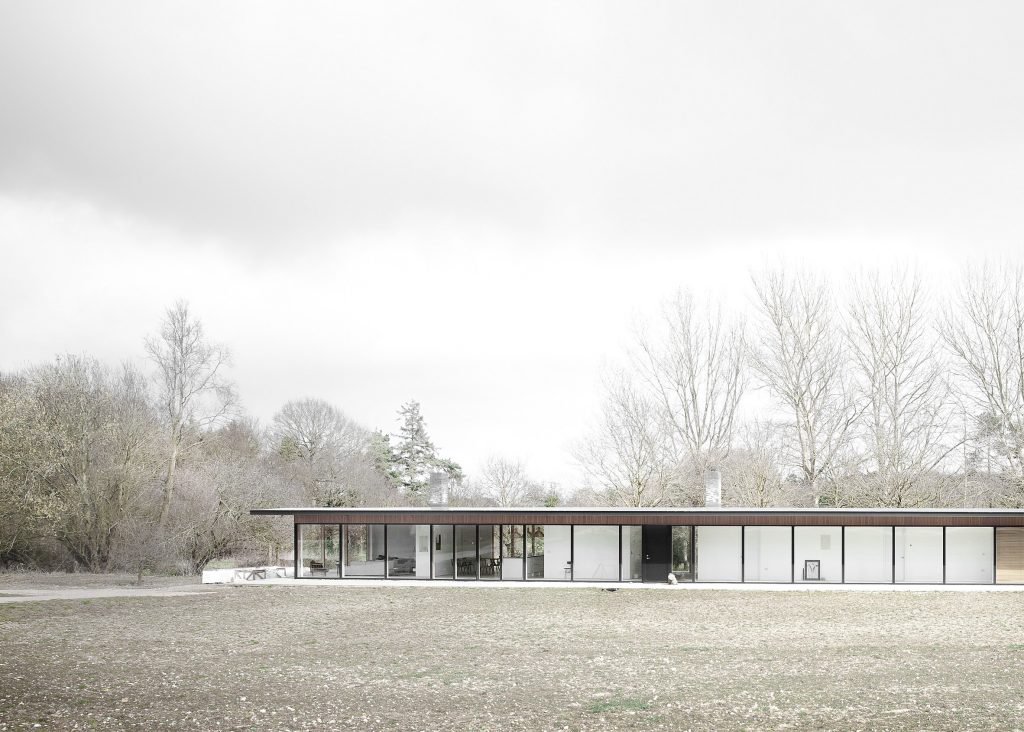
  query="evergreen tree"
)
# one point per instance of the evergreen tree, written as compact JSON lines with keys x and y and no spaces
{"x":415,"y":463}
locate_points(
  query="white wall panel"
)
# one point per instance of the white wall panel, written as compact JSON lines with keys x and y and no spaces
{"x":868,"y":554}
{"x":767,"y":554}
{"x":969,"y":555}
{"x":718,"y":554}
{"x":919,"y":554}
{"x":823,"y":543}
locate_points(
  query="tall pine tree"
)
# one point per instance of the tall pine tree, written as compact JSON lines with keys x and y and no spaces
{"x":415,"y":463}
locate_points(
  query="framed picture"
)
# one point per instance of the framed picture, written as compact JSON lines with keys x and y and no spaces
{"x":812,"y":569}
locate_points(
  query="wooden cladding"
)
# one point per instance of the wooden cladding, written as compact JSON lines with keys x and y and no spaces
{"x":652,"y":518}
{"x":1009,"y":555}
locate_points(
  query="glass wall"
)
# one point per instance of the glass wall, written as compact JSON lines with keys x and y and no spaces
{"x":632,"y":553}
{"x":682,"y":553}
{"x":465,"y":552}
{"x":719,"y":554}
{"x":556,"y":548}
{"x":512,"y":552}
{"x":868,"y":554}
{"x":408,"y":551}
{"x":919,"y":554}
{"x":320,"y":550}
{"x":828,"y":554}
{"x":595,"y":553}
{"x":534,"y":552}
{"x":768,"y":554}
{"x":818,"y":554}
{"x":363,"y":550}
{"x":444,"y":552}
{"x":490,"y":552}
{"x":969,"y":554}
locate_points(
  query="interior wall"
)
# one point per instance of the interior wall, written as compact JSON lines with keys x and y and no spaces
{"x":869,"y":554}
{"x":444,"y":565}
{"x":557,"y":551}
{"x":719,"y":554}
{"x":823,"y":543}
{"x":767,"y":554}
{"x":969,"y":555}
{"x":919,"y":554}
{"x":423,"y":551}
{"x":595,"y":553}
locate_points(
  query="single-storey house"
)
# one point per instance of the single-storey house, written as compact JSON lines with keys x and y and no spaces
{"x":713,"y":544}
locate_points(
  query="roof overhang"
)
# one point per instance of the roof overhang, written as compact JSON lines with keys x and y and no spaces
{"x":655,"y":516}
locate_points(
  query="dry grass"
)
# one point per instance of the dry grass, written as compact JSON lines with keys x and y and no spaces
{"x":480,"y":659}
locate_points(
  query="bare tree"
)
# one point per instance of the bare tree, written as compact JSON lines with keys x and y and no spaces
{"x":984,"y":330}
{"x":801,"y":360}
{"x":193,"y":391}
{"x":328,"y":451}
{"x":504,"y":481}
{"x":628,"y":456}
{"x":695,"y":374}
{"x":752,"y":475}
{"x":315,"y":429}
{"x":909,"y":414}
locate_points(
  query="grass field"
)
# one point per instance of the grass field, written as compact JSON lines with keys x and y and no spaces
{"x":336,"y":657}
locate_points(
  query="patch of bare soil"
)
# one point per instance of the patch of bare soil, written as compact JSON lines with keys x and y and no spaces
{"x":397,"y":658}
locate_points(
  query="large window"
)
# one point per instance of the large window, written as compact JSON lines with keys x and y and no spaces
{"x":919,"y":554}
{"x":868,"y":554}
{"x":363,"y":550}
{"x":632,"y":553}
{"x":444,"y":552}
{"x":465,"y":552}
{"x":682,"y":553}
{"x":408,"y":551}
{"x":512,"y":552}
{"x":320,"y":547}
{"x":969,"y":554}
{"x":549,"y":552}
{"x":595,"y":553}
{"x":767,"y":554}
{"x":719,"y":554}
{"x":490,"y":552}
{"x":818,"y":554}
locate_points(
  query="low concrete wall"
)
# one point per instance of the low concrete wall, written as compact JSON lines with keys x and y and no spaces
{"x":244,"y":575}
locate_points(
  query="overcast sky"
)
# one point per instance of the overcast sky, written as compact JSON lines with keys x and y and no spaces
{"x":468,"y":204}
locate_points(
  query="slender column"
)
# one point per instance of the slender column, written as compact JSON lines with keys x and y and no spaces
{"x":620,"y":552}
{"x":842,"y":555}
{"x":892,"y":578}
{"x":572,"y":552}
{"x":743,"y":554}
{"x":943,"y":555}
{"x":995,"y":548}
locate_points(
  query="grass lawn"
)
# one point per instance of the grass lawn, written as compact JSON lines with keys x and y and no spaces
{"x":481,"y":659}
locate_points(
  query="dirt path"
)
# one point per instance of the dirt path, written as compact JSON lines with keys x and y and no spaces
{"x":63,"y":593}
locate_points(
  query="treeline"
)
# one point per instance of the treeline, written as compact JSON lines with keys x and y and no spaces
{"x":105,"y":467}
{"x":868,"y":392}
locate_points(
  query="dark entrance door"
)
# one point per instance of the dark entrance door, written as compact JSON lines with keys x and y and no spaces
{"x":657,"y":548}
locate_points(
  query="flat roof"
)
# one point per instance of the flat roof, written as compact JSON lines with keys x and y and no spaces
{"x":611,"y":516}
{"x":614,"y":509}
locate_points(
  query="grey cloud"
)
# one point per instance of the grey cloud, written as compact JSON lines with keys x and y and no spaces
{"x":271,"y":124}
